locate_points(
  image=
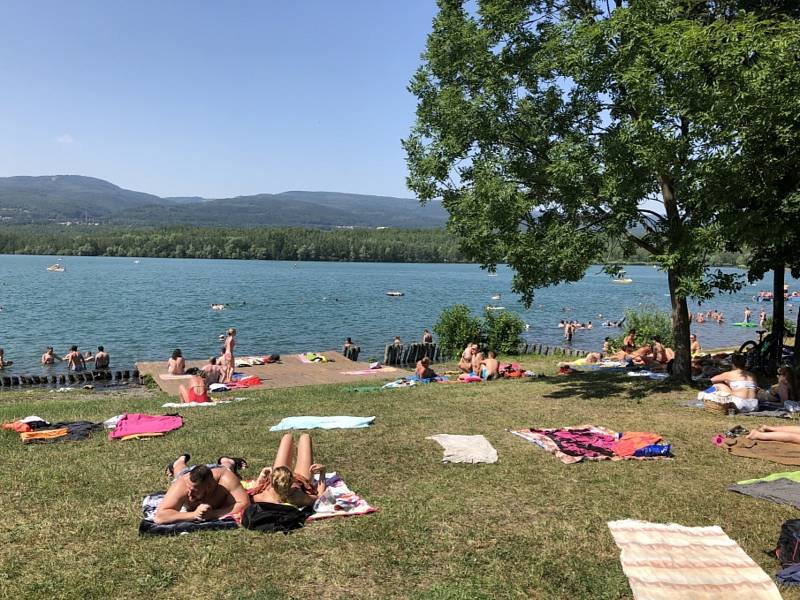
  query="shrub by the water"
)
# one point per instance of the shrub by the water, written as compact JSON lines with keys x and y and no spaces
{"x":456,"y":328}
{"x":647,"y":321}
{"x":789,"y":326}
{"x":503,"y":332}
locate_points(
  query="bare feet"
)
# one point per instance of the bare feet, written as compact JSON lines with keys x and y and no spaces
{"x":177,"y":465}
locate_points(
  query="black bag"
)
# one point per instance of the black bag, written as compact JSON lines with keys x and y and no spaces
{"x":788,"y":550}
{"x":268,"y":517}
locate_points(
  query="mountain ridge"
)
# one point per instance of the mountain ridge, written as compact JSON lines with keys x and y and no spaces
{"x":79,"y":198}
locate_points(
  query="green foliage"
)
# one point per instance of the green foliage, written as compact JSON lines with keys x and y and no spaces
{"x":456,"y":328}
{"x":647,"y":321}
{"x":503,"y":331}
{"x":789,"y":326}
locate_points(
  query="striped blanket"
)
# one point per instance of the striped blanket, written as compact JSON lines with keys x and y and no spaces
{"x":691,"y":563}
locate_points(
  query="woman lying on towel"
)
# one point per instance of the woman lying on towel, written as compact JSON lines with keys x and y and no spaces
{"x":738,"y":385}
{"x":281,"y":484}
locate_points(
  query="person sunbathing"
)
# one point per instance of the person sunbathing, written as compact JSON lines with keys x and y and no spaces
{"x":282,"y":485}
{"x":423,"y":370}
{"x":490,"y":367}
{"x":776,"y":433}
{"x":212,"y":372}
{"x":738,"y":384}
{"x":782,"y":391}
{"x":465,"y":364}
{"x":197,"y":390}
{"x":176,"y":365}
{"x":201,"y":493}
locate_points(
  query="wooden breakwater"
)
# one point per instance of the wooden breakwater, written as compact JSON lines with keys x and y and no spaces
{"x":71,"y":378}
{"x":409,"y":354}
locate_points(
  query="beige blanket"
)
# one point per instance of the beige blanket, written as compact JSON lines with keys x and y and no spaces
{"x":691,"y":563}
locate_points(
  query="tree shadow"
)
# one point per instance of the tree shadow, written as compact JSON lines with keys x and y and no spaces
{"x":596,"y":386}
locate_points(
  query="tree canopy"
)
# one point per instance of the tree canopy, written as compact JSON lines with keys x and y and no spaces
{"x":550,"y":126}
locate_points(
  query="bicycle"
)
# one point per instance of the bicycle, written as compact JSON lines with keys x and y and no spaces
{"x":759,"y":355}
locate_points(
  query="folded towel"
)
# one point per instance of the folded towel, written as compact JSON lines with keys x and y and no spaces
{"x":337,"y":422}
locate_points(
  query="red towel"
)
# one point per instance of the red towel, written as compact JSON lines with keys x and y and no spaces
{"x":135,"y":423}
{"x":631,"y":441}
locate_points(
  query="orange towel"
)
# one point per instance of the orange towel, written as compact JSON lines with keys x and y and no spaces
{"x":44,"y":434}
{"x":631,"y":441}
{"x":135,"y":436}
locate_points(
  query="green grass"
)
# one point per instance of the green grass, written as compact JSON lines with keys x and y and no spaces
{"x":526,"y":527}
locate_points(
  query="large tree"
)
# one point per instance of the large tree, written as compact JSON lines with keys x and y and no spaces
{"x":548,"y":127}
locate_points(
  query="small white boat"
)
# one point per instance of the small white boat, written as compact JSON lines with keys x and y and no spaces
{"x":492,"y":275}
{"x":57,"y":268}
{"x":395,"y":293}
{"x":624,"y":280}
{"x":136,"y":262}
{"x":495,"y":308}
{"x":497,"y":297}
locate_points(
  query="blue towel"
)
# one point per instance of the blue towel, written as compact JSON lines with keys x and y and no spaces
{"x":322,"y":423}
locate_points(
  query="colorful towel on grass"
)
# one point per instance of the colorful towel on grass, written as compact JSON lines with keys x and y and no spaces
{"x":470,"y":449}
{"x":589,"y":442}
{"x":137,"y":424}
{"x":691,"y":563}
{"x":194,"y":404}
{"x":312,"y":357}
{"x":401,"y":383}
{"x":337,"y":422}
{"x":339,"y":501}
{"x":782,"y":488}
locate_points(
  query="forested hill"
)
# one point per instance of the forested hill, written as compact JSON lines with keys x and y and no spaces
{"x":74,"y":198}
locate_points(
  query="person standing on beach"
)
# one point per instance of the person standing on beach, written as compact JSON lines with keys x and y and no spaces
{"x":230,"y":343}
{"x":747,"y":314}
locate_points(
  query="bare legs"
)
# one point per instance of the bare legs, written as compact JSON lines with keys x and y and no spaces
{"x":305,"y":456}
{"x":784,"y":433}
{"x":184,"y":393}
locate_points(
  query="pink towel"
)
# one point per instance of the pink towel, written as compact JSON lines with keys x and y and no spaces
{"x":135,"y":423}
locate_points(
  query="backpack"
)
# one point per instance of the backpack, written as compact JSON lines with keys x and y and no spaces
{"x":788,"y":549}
{"x":267,"y":517}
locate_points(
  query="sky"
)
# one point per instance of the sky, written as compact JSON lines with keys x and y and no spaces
{"x":211,"y":98}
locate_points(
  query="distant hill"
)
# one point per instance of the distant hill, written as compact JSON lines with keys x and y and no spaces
{"x":60,"y":198}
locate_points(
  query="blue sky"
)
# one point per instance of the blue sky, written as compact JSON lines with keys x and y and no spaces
{"x":211,"y":98}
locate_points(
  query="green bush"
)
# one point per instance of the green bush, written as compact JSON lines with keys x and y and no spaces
{"x":503,"y":332}
{"x":647,"y":321}
{"x":456,"y":328}
{"x":789,"y":326}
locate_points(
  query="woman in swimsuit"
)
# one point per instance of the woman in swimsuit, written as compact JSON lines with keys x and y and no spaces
{"x":739,"y":384}
{"x":197,"y":392}
{"x":176,"y":365}
{"x":465,"y":364}
{"x":230,"y":342}
{"x":282,"y":485}
{"x":782,"y":391}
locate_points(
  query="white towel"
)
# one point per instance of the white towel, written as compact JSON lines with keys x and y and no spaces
{"x":465,"y":448}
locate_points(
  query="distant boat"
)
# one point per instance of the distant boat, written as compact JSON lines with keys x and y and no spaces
{"x":495,"y":308}
{"x":492,"y":275}
{"x":496,"y":297}
{"x":136,"y":262}
{"x":624,"y":280}
{"x":57,"y":268}
{"x":395,"y":293}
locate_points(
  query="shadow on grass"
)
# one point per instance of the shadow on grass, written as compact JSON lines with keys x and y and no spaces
{"x":593,"y":386}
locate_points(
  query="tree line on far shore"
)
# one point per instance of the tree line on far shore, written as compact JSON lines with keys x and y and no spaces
{"x":355,"y":245}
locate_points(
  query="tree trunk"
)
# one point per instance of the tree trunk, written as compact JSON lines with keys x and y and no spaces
{"x":682,"y":367}
{"x":797,"y":338}
{"x":777,"y":313}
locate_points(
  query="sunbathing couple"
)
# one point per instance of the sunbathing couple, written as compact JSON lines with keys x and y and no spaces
{"x":473,"y":362}
{"x":211,"y":492}
{"x":739,"y":387}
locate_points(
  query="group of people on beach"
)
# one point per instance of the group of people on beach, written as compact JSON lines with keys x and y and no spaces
{"x":218,"y":369}
{"x":474,"y":362}
{"x":214,"y":491}
{"x":75,"y":361}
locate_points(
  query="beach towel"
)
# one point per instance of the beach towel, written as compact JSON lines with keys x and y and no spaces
{"x":72,"y":431}
{"x":648,"y":374}
{"x":783,"y":453}
{"x":337,"y":422}
{"x":312,"y":357}
{"x":782,"y":488}
{"x":339,"y":501}
{"x":147,"y":526}
{"x":193,"y":404}
{"x":378,"y":371}
{"x":665,"y":562}
{"x":400,"y":383}
{"x":465,"y":448}
{"x":170,"y":376}
{"x":131,"y":424}
{"x":218,"y":387}
{"x":587,"y":442}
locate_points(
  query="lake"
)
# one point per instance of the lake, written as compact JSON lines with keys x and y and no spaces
{"x":142,"y":309}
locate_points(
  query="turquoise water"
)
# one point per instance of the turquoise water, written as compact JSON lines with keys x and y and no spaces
{"x":142,"y":311}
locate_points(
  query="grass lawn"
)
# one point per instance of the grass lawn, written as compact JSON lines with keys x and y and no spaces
{"x":526,"y":527}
